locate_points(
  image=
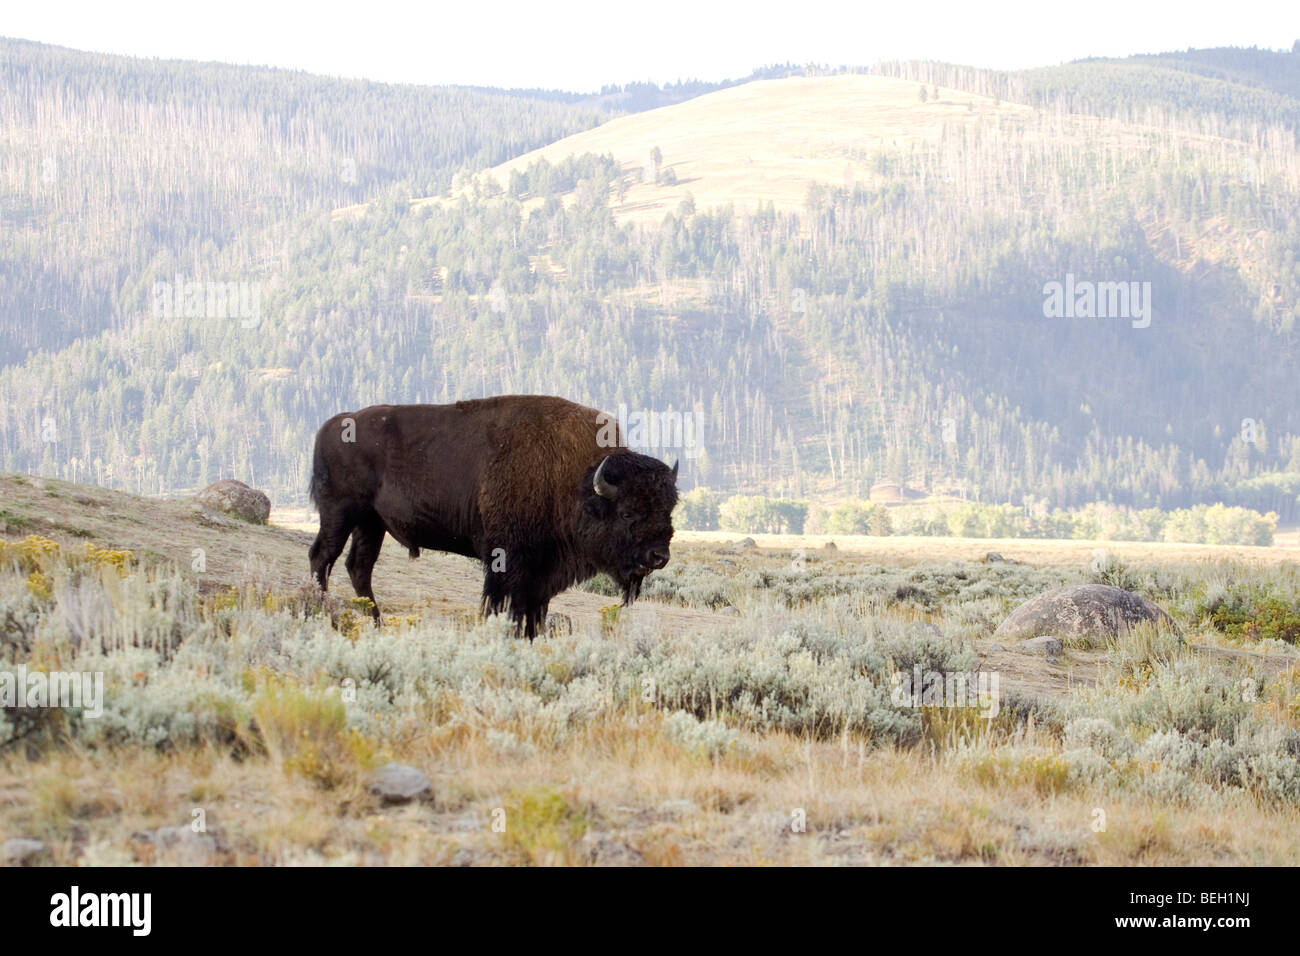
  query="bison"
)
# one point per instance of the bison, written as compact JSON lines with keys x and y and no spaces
{"x":539,"y":489}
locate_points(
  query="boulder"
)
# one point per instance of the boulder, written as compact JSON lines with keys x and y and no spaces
{"x":1084,"y":614}
{"x":235,"y":498}
{"x":398,"y":783}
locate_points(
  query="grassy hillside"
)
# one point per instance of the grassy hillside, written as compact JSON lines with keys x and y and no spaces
{"x":765,"y":142}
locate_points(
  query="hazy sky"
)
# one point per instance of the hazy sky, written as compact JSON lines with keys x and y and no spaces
{"x":582,"y":45}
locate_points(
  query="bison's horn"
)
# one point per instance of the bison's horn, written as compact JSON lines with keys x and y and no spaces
{"x":675,"y":464}
{"x":603,"y":487}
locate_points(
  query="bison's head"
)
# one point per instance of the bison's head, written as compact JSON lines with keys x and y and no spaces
{"x":627,"y":517}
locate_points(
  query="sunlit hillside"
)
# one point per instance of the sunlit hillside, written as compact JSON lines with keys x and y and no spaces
{"x":765,"y":141}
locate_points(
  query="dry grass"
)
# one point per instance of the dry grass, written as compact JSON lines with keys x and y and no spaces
{"x":621,"y":795}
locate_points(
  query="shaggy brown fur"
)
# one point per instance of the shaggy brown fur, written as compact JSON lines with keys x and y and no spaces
{"x":507,"y":480}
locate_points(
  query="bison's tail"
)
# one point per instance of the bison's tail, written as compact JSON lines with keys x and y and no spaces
{"x":319,"y":475}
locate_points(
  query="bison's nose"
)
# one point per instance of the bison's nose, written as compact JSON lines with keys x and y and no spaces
{"x":658,"y":557}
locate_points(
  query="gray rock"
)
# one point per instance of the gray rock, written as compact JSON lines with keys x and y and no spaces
{"x":22,"y":852}
{"x":730,"y":610}
{"x":774,"y":821}
{"x":746,"y":544}
{"x":603,"y":851}
{"x":1088,"y":614}
{"x":211,"y":518}
{"x":677,"y":808}
{"x":183,"y":846}
{"x":463,"y":823}
{"x":235,"y":498}
{"x":993,"y":648}
{"x":398,"y":783}
{"x":993,"y":558}
{"x":1046,"y":645}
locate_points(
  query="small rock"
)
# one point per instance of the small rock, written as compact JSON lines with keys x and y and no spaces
{"x":209,"y":517}
{"x":730,"y":610}
{"x":463,"y":823}
{"x":993,"y":558}
{"x":677,"y":808}
{"x":746,"y":544}
{"x":236,"y":498}
{"x":603,"y":851}
{"x":992,"y":648}
{"x":22,"y":852}
{"x":1046,"y":645}
{"x":184,"y":846}
{"x":829,"y":546}
{"x":774,"y":821}
{"x":398,"y":783}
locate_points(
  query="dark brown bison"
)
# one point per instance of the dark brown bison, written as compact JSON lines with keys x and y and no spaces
{"x":530,"y":485}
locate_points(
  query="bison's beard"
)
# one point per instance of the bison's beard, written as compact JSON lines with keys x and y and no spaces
{"x":630,"y":580}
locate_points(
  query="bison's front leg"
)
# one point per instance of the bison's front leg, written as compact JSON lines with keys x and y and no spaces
{"x":511,"y":583}
{"x":532,"y":617}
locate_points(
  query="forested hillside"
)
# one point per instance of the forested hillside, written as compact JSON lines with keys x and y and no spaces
{"x":112,"y":168}
{"x":893,"y":326}
{"x":1225,"y":91}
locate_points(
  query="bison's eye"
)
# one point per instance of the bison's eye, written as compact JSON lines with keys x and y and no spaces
{"x":626,"y":515}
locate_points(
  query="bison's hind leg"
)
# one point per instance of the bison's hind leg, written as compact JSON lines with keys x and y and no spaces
{"x":367,"y":539}
{"x":335,"y":525}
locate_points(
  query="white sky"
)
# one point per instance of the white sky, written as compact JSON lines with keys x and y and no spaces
{"x":581,"y":44}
